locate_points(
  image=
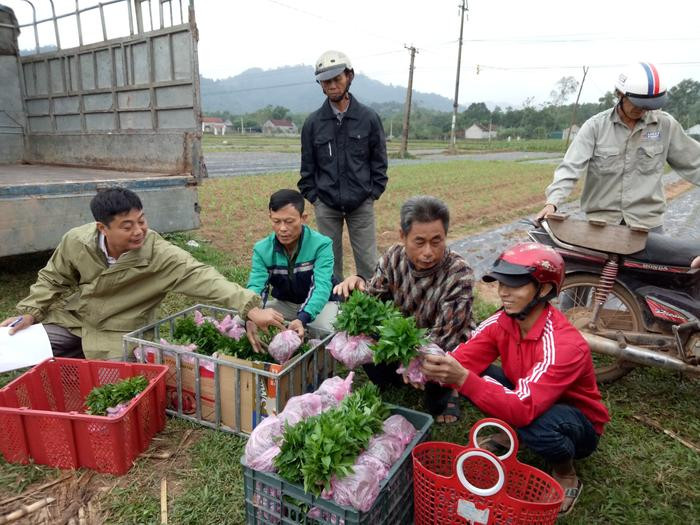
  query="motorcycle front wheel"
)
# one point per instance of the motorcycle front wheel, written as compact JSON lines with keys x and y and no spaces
{"x":620,"y":312}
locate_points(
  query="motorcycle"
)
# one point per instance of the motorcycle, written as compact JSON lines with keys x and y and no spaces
{"x":630,"y":292}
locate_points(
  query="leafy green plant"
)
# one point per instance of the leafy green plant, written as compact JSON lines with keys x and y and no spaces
{"x":110,"y":395}
{"x":399,"y":340}
{"x":322,"y":446}
{"x":362,"y":314}
{"x":209,"y":340}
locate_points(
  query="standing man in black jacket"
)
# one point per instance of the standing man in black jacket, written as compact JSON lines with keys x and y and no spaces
{"x":343,"y":164}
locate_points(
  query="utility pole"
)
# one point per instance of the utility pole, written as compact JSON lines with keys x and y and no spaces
{"x":407,"y":107}
{"x":453,"y":145}
{"x":573,"y":113}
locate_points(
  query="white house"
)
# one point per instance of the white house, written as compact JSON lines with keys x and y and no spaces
{"x":574,"y":131}
{"x":277,"y":126}
{"x":478,"y":131}
{"x":214,"y":125}
{"x":695,"y":130}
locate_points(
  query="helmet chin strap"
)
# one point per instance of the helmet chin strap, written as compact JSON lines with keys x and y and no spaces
{"x":344,"y":94}
{"x":522,"y":314}
{"x":622,"y":108}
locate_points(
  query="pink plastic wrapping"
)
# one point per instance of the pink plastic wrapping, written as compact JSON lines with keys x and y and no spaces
{"x":265,"y":462}
{"x":232,"y":327}
{"x":334,"y":389}
{"x":266,"y":436}
{"x":352,"y":351}
{"x":268,"y":498}
{"x":413,"y":372}
{"x":190,"y":359}
{"x":385,"y":448}
{"x":375,"y":464}
{"x":400,"y":428}
{"x":301,"y":407}
{"x":359,"y":489}
{"x":283,"y":345}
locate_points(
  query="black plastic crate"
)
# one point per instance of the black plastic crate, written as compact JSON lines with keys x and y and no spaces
{"x":270,"y":500}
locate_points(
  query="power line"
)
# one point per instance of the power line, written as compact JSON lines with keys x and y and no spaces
{"x":259,"y":88}
{"x":338,"y":23}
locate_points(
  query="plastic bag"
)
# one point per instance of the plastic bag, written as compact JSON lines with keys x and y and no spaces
{"x":351,"y":351}
{"x":301,"y":407}
{"x":283,"y":345}
{"x":265,"y":462}
{"x":200,"y":319}
{"x":264,"y":437}
{"x":358,"y":490}
{"x":399,"y":427}
{"x":334,"y":389}
{"x":317,"y":513}
{"x":385,"y":448}
{"x":231,"y":327}
{"x":150,"y":353}
{"x":268,"y":498}
{"x":375,"y":464}
{"x":413,"y":372}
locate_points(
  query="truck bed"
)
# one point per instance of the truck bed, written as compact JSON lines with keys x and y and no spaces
{"x":39,"y":203}
{"x":32,"y":179}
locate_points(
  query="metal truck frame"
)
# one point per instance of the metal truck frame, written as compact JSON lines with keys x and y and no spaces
{"x":118,"y":109}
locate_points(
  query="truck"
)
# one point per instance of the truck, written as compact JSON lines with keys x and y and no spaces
{"x":94,"y":95}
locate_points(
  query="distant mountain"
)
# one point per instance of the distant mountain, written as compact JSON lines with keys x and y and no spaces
{"x":294,"y":88}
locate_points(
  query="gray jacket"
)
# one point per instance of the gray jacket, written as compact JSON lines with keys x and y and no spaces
{"x":623,"y":168}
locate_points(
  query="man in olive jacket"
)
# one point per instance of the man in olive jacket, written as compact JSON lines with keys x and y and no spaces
{"x":343,"y":165}
{"x":107,"y":278}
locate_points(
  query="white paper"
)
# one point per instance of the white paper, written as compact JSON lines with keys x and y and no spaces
{"x":25,"y":348}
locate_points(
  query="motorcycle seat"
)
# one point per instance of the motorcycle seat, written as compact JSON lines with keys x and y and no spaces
{"x":662,"y":249}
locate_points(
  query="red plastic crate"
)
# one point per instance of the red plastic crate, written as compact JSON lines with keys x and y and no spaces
{"x":41,"y":416}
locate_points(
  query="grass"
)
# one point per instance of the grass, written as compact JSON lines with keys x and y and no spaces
{"x":292,"y":144}
{"x":639,"y":475}
{"x":479,"y":194}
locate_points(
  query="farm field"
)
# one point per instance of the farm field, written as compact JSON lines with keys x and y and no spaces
{"x":639,"y":475}
{"x":291,"y":144}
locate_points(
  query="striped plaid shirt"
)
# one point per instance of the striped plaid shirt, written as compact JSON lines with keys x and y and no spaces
{"x":439,"y":298}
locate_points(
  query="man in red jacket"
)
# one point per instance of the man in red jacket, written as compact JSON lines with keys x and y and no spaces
{"x":547,"y":388}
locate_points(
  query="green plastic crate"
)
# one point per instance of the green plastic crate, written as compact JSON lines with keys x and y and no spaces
{"x":270,"y":500}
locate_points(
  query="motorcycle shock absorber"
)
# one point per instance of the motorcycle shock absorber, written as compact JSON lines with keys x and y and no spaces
{"x":605,"y":286}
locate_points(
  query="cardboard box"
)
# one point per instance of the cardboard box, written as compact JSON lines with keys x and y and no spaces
{"x":273,"y":392}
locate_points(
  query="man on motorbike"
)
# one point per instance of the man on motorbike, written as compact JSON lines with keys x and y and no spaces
{"x":546,"y":387}
{"x":622,"y":152}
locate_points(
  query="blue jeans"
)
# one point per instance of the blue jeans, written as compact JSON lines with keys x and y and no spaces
{"x":560,"y":434}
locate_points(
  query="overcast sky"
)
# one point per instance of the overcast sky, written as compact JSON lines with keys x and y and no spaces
{"x":521,"y":48}
{"x":513,"y":49}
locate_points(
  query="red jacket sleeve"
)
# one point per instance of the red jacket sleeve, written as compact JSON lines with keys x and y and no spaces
{"x":481,"y":350}
{"x":533,"y":394}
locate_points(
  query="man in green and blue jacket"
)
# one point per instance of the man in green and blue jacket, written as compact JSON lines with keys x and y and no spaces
{"x":294,"y":265}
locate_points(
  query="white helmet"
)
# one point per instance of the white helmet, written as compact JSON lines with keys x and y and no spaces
{"x":642,"y":85}
{"x":331,"y":64}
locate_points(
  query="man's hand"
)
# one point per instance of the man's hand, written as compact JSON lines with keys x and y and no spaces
{"x":259,"y":318}
{"x":354,"y":282}
{"x":548,"y":208}
{"x":23,"y":321}
{"x":444,"y":369}
{"x":298,"y":327}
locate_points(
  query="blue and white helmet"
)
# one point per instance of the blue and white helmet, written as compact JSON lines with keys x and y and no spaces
{"x":641,"y":84}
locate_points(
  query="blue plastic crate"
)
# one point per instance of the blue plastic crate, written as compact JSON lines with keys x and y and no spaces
{"x":270,"y":500}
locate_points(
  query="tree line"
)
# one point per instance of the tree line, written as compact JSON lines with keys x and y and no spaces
{"x":529,"y":122}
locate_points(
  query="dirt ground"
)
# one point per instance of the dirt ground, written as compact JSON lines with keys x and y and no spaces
{"x":76,"y":498}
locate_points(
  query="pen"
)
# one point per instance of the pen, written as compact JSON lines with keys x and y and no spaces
{"x":16,"y":322}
